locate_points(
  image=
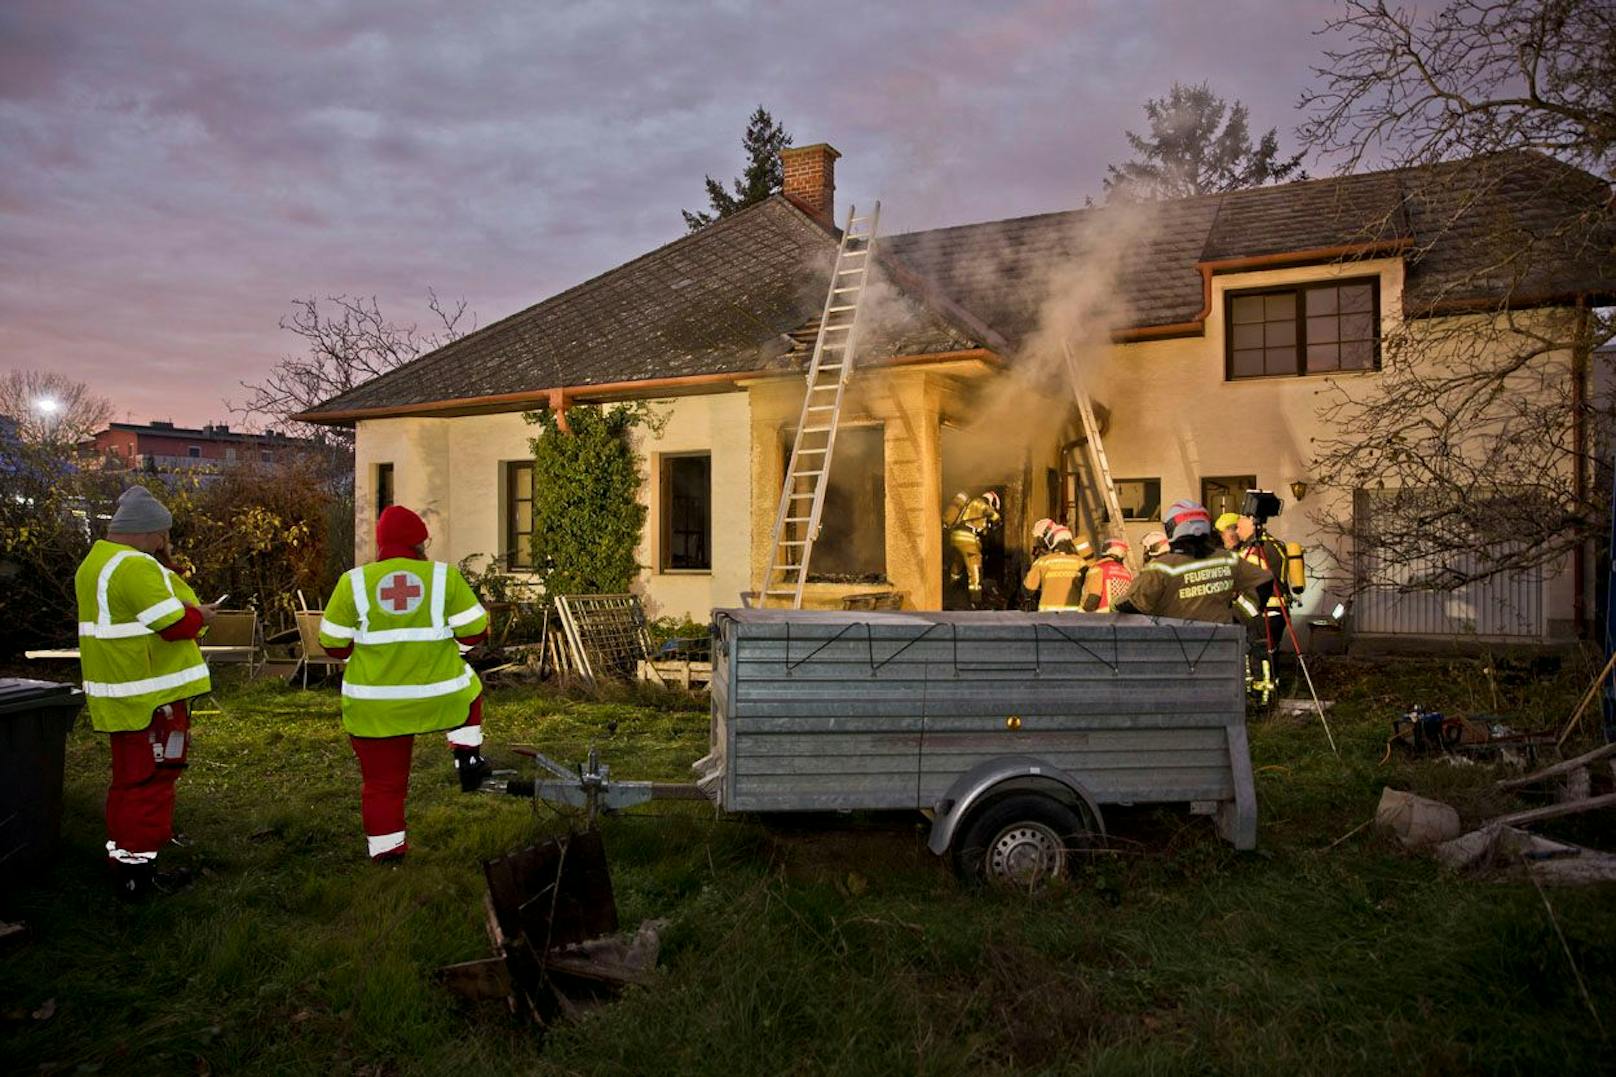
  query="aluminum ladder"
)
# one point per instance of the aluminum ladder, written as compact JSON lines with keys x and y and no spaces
{"x":1100,"y":464}
{"x":802,"y":498}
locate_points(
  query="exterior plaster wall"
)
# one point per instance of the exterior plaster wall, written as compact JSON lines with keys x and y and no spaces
{"x":716,"y":424}
{"x":1174,"y":416}
{"x":907,"y":404}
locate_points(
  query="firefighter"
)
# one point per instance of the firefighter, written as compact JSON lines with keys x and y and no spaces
{"x":1155,"y":543}
{"x":138,"y":623}
{"x":1058,"y":574}
{"x":1108,"y":579}
{"x":400,"y":622}
{"x":1195,"y":580}
{"x":1262,"y":549}
{"x":1227,"y":527}
{"x":966,"y":520}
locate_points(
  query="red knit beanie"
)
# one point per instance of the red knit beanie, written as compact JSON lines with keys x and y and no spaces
{"x":398,"y":526}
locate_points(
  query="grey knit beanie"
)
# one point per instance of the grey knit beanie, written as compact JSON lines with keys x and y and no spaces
{"x":139,"y":513}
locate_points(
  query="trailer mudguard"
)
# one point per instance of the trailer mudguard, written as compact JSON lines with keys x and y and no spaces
{"x":1003,"y":774}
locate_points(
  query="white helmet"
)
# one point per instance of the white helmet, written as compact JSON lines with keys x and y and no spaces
{"x":992,"y":499}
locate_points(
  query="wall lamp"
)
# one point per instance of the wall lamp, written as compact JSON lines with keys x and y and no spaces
{"x":1299,"y":489}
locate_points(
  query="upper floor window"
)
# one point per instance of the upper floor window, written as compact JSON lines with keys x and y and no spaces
{"x":1306,"y":329}
{"x":194,"y":451}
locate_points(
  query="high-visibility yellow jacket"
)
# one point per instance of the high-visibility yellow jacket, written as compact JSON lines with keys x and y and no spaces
{"x":125,"y":597}
{"x":401,"y":617}
{"x":1056,"y":577}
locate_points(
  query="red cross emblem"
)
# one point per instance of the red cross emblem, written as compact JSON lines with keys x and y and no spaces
{"x":400,"y":592}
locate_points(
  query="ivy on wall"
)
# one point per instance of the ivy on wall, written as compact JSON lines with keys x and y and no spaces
{"x":587,"y":518}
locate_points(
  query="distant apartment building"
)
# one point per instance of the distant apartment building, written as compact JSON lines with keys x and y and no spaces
{"x":162,"y":446}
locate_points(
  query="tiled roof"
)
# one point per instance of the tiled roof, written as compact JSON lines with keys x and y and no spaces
{"x":742,"y":294}
{"x":721,"y":300}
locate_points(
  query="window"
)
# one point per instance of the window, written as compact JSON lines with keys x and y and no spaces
{"x":852,"y":543}
{"x":384,"y":487}
{"x":1310,"y":329}
{"x":265,"y":456}
{"x":1140,"y":498}
{"x":518,"y":514}
{"x":1226,"y":493}
{"x":687,"y":513}
{"x":193,"y":451}
{"x":230,"y":454}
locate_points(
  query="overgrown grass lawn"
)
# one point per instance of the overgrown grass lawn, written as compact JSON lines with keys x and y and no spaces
{"x":838,"y":947}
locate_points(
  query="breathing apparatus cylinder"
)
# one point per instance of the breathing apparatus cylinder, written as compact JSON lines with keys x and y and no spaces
{"x":1295,"y":567}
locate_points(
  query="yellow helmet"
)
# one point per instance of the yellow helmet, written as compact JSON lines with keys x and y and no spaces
{"x":1226,"y":521}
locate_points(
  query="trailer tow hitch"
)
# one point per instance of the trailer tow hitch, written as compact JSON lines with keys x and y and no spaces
{"x":590,"y":786}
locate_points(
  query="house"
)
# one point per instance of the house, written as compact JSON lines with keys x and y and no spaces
{"x":161,"y":446}
{"x":1189,"y":319}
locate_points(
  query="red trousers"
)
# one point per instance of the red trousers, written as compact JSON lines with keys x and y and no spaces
{"x":384,"y":770}
{"x":145,"y":765}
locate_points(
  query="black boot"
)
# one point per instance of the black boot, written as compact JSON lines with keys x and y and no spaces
{"x":138,"y":882}
{"x":472,"y":768}
{"x":134,"y":882}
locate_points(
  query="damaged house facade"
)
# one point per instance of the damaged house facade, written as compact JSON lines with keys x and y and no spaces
{"x":1206,"y":328}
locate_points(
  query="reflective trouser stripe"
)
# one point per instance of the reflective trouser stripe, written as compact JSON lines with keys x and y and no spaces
{"x":124,"y":689}
{"x":384,"y":843}
{"x":124,"y":856}
{"x":466,"y":736}
{"x":407,"y":691}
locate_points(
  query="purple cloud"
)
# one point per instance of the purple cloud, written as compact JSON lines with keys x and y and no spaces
{"x":176,"y":174}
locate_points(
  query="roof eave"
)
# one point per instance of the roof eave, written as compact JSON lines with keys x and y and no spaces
{"x":683,"y":385}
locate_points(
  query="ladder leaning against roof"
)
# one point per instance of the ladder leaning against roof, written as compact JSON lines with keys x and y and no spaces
{"x":1100,"y":463}
{"x":802,"y":498}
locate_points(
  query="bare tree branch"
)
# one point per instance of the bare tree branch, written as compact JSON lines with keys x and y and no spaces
{"x":346,"y":342}
{"x":1474,"y":450}
{"x":51,"y":409}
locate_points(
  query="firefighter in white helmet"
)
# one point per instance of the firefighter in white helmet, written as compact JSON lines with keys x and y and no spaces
{"x":966,"y":520}
{"x":1057,"y":572}
{"x":1108,"y":579}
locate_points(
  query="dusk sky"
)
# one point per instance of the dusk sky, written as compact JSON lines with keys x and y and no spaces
{"x":174,"y":174}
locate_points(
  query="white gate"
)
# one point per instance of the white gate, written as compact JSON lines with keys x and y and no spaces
{"x":1507,"y":605}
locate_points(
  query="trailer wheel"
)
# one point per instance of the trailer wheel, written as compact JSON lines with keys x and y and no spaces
{"x":1021,"y":840}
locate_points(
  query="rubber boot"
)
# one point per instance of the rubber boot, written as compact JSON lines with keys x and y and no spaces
{"x":138,"y":882}
{"x":472,"y":768}
{"x":133,"y":882}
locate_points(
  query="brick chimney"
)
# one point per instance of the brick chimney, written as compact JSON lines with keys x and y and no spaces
{"x":810,"y":180}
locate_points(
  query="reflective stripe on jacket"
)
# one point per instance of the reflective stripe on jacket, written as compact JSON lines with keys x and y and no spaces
{"x":401,"y":617}
{"x":1107,"y":582}
{"x":125,"y":597}
{"x":1056,"y":577}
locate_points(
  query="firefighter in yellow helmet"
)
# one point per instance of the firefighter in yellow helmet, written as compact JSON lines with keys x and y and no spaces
{"x":1227,"y":526}
{"x":965,"y":521}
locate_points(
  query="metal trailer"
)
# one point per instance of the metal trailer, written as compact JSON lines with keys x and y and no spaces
{"x":1011,"y":730}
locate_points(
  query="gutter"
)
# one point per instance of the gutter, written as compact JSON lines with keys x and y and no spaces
{"x":559,"y":398}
